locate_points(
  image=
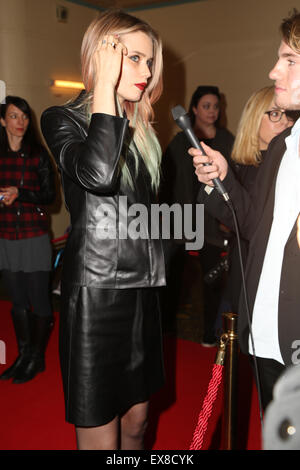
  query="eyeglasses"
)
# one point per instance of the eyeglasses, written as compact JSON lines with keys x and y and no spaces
{"x":275,"y":115}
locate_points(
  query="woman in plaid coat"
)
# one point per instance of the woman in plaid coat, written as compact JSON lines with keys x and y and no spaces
{"x":26,"y":184}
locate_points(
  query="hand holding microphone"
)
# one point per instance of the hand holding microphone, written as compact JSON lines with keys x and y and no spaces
{"x":210,"y":165}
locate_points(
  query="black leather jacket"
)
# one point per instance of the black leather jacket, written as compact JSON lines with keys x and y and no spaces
{"x":88,"y":157}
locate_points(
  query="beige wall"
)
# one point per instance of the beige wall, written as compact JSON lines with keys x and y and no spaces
{"x":229,"y":43}
{"x":35,"y":48}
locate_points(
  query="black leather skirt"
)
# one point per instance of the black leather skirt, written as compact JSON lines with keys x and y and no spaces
{"x":110,"y":351}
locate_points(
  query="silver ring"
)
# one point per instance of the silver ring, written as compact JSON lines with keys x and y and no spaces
{"x":113,"y":44}
{"x":103,"y":41}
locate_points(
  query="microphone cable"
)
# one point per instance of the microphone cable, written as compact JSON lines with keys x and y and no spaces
{"x":245,"y":294}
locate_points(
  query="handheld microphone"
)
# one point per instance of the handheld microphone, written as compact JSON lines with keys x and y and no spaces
{"x":182,"y":119}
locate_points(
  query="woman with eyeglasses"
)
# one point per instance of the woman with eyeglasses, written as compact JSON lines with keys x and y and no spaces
{"x":260,"y":122}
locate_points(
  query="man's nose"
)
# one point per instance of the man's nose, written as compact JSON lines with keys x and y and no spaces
{"x":275,"y":72}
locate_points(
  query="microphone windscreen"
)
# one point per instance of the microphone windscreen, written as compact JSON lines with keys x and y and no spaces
{"x":177,"y":112}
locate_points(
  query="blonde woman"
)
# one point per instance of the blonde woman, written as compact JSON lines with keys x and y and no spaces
{"x":261,"y":120}
{"x":109,"y":158}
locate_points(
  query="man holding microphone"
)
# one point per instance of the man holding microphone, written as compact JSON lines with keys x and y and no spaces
{"x":268,"y":218}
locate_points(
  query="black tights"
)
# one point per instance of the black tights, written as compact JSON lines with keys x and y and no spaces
{"x":29,"y":290}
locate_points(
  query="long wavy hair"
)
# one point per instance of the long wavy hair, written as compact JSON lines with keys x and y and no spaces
{"x":246,"y":145}
{"x":140,"y":114}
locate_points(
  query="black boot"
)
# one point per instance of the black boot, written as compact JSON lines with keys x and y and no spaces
{"x":22,"y":331}
{"x":42,"y":327}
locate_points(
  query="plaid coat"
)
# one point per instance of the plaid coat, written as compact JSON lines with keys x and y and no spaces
{"x":32,"y":173}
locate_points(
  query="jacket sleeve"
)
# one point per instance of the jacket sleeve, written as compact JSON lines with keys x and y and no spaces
{"x":249,"y":206}
{"x":240,"y":199}
{"x":90,"y":159}
{"x":46,"y":193}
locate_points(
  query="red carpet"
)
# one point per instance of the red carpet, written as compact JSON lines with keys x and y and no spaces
{"x":32,"y":414}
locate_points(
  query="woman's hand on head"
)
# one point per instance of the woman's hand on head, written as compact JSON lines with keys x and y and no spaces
{"x":9,"y":194}
{"x":217,"y":165}
{"x":108,"y":61}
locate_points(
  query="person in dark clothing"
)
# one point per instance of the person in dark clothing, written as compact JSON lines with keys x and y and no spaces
{"x":26,"y":185}
{"x":180,"y":185}
{"x":269,"y":218}
{"x":107,"y":152}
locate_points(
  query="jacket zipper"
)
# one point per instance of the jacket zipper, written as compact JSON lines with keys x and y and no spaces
{"x":19,"y":205}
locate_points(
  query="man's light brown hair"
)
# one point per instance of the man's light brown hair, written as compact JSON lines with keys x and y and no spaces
{"x":290,"y":30}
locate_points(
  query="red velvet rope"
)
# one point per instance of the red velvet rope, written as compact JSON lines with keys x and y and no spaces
{"x":207,"y":406}
{"x":59,"y":239}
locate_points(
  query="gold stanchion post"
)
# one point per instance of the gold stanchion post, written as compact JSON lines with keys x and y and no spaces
{"x":231,"y":381}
